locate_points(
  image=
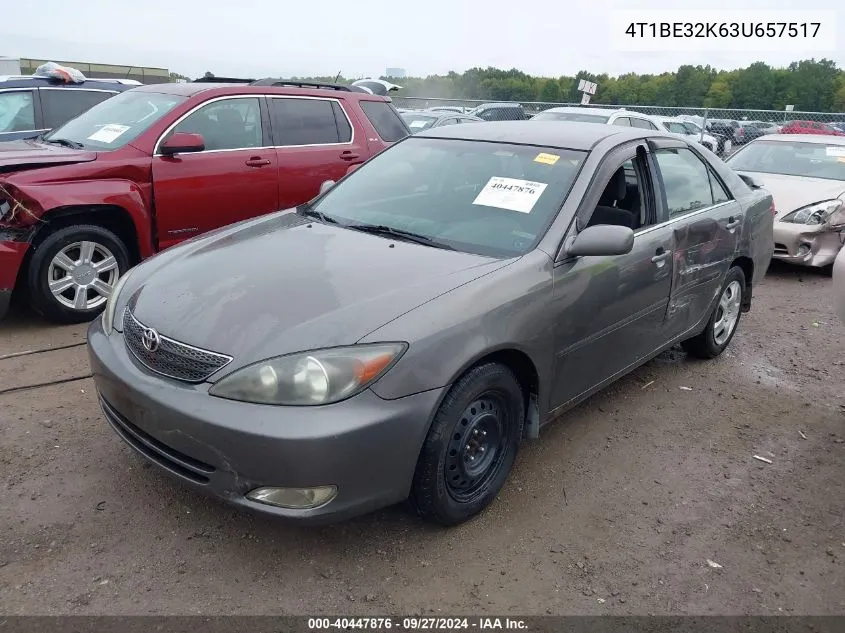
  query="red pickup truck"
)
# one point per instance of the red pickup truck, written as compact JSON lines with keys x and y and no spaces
{"x":159,"y":164}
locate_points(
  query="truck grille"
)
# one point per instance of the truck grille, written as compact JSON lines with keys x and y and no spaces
{"x":171,"y":358}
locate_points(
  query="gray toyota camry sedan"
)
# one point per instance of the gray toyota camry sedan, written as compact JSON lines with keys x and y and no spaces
{"x":401,"y":335}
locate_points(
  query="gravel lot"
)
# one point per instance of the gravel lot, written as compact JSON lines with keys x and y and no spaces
{"x":616,"y":509}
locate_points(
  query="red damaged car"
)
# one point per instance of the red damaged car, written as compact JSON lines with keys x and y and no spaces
{"x":156,"y":165}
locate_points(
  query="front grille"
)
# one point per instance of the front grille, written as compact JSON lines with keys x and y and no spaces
{"x":172,"y":358}
{"x":780,"y":249}
{"x":166,"y":457}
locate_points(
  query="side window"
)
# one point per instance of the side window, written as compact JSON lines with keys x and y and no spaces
{"x":623,"y":121}
{"x":304,"y":122}
{"x":385,"y":120}
{"x":17,"y":113}
{"x":720,"y":194}
{"x":642,"y":123}
{"x":60,"y":105}
{"x":344,"y":130}
{"x":449,"y":122}
{"x":226,"y":124}
{"x":686,"y":180}
{"x":623,"y":200}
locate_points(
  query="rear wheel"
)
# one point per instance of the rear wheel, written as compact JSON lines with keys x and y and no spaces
{"x":471,"y":446}
{"x":723,"y":321}
{"x":73,"y":270}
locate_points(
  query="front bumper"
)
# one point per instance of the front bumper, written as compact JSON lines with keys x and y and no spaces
{"x":12,"y":254}
{"x":806,"y":245}
{"x":366,"y":446}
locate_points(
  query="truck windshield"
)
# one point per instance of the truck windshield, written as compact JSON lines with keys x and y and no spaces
{"x":113,"y":123}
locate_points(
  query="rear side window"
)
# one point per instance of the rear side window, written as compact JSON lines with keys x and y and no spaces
{"x":306,"y":122}
{"x":385,"y":120}
{"x":60,"y":105}
{"x":623,"y":121}
{"x":642,"y":123}
{"x":344,"y":130}
{"x":17,"y":113}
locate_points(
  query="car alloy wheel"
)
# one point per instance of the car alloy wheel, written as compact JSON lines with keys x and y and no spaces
{"x":82,"y":274}
{"x":727,"y":312}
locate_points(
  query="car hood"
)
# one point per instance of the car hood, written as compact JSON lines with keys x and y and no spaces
{"x":287,"y":284}
{"x":793,"y":192}
{"x":26,"y":154}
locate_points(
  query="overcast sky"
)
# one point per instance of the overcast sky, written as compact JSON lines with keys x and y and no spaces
{"x":295,"y":37}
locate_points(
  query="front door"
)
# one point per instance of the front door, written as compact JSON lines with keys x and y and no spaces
{"x":315,"y":142}
{"x":234,"y":179}
{"x":611,"y":309}
{"x":705,"y":222}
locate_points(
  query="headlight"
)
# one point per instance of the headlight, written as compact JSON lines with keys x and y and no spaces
{"x":310,"y":378}
{"x":111,"y":303}
{"x":818,"y":213}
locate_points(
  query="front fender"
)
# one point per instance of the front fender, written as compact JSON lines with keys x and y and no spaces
{"x":126,"y":194}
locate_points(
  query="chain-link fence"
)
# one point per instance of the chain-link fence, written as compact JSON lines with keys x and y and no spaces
{"x":739,"y":126}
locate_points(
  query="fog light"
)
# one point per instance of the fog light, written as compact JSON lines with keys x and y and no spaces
{"x":803,"y":249}
{"x":295,"y":498}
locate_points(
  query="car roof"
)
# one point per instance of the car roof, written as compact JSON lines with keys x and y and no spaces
{"x":30,"y":81}
{"x":191,"y":89}
{"x":560,"y":134}
{"x":819,"y":139}
{"x":588,"y":110}
{"x":440,"y":114}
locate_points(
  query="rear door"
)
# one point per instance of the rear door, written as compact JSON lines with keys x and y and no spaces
{"x":705,"y":222}
{"x":234,"y":179}
{"x":20,"y":114}
{"x":315,"y":141}
{"x":60,"y":105}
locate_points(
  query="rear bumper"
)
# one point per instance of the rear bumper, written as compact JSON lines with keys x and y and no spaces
{"x":12,"y":254}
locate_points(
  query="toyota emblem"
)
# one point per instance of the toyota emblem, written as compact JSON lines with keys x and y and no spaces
{"x":150,"y":339}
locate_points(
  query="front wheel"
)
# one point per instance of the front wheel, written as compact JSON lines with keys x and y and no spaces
{"x":723,"y":321}
{"x":73,"y":271}
{"x":471,"y":446}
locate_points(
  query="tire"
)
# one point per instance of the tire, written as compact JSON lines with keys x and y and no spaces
{"x":709,"y":343}
{"x":449,"y":487}
{"x":44,"y":267}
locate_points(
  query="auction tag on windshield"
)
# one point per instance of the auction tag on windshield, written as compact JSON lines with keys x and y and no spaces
{"x":834,"y":150}
{"x":547,"y":159}
{"x":511,"y":194}
{"x":108,"y":133}
{"x":416,"y":124}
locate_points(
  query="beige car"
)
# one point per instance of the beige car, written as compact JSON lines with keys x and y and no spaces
{"x":806,"y":176}
{"x":839,"y":285}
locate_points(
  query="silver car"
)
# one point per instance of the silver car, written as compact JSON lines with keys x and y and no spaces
{"x":806,"y":175}
{"x":401,"y":335}
{"x":419,"y":120}
{"x":839,"y":285}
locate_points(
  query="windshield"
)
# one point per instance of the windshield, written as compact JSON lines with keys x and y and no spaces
{"x":812,"y":160}
{"x":486,"y":198}
{"x":418,"y":122}
{"x":570,"y":116}
{"x":115,"y":122}
{"x":675,"y":127}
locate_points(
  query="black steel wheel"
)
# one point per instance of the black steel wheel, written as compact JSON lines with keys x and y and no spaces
{"x":471,"y":446}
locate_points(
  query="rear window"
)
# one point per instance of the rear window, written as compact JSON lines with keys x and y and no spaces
{"x":60,"y":105}
{"x":385,"y":120}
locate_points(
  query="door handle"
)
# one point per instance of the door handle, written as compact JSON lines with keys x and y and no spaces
{"x":661,"y":255}
{"x":732,"y":223}
{"x":348,"y":155}
{"x":257,"y":161}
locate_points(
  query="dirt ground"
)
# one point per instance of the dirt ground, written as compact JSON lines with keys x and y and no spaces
{"x":616,"y":509}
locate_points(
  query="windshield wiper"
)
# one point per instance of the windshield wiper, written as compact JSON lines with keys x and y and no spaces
{"x":309,"y":211}
{"x":64,"y":142}
{"x":401,"y":234}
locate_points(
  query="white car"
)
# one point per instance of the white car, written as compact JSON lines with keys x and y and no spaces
{"x":692,"y":131}
{"x":628,"y":118}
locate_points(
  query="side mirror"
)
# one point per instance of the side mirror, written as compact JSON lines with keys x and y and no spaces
{"x":602,"y":239}
{"x":182,"y":143}
{"x":327,"y":184}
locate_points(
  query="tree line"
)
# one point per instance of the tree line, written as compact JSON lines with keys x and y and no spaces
{"x":810,"y":85}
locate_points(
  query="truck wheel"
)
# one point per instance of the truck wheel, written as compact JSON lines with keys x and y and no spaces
{"x":470,"y":447}
{"x":723,"y":321}
{"x":73,"y":270}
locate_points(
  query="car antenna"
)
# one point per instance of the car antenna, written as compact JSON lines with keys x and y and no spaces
{"x":338,"y":76}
